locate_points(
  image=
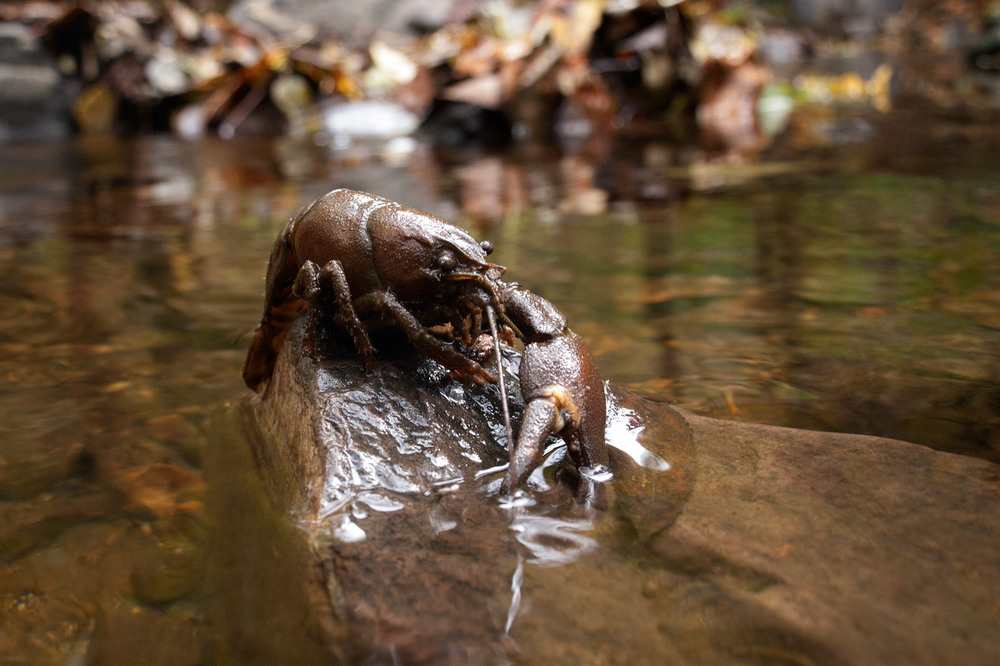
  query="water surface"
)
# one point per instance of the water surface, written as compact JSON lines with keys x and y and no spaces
{"x":852,"y":288}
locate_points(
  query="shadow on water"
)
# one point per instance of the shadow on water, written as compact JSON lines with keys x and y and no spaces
{"x":848,"y":290}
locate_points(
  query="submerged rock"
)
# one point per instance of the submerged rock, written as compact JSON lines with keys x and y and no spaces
{"x":359,"y":518}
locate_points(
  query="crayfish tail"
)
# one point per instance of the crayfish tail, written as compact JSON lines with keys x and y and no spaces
{"x":267,"y":341}
{"x":260,"y":360}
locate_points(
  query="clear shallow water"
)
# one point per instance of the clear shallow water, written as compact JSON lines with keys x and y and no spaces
{"x":852,"y":289}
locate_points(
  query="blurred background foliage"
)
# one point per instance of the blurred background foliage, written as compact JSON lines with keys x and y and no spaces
{"x":724,"y":73}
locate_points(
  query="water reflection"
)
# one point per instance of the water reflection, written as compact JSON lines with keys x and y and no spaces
{"x":797,"y":300}
{"x":516,"y":580}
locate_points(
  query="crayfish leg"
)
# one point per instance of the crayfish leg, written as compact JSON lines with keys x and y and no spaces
{"x":332,"y":273}
{"x":461,"y":367}
{"x":306,"y":283}
{"x":307,"y":287}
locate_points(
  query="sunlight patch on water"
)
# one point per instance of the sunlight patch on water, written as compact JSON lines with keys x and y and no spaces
{"x":379,"y":502}
{"x":346,"y":530}
{"x":492,"y":470}
{"x":552,"y":540}
{"x":597,"y":473}
{"x":515,"y":594}
{"x":622,"y":432}
{"x":441,"y":522}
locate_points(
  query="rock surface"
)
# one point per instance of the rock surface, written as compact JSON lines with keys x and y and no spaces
{"x":716,"y":542}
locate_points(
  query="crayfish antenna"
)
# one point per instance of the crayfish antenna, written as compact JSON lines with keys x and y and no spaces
{"x":491,"y":317}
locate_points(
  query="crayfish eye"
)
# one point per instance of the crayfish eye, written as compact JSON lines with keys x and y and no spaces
{"x":487,"y":247}
{"x":446,"y":260}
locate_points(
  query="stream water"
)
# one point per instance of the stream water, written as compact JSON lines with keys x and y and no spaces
{"x":851,"y":286}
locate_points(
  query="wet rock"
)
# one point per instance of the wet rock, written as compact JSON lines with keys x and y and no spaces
{"x":803,"y":547}
{"x":387,"y":476}
{"x":866,"y":536}
{"x":361,"y":510}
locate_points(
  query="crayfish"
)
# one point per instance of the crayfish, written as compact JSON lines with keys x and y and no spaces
{"x":372,"y":263}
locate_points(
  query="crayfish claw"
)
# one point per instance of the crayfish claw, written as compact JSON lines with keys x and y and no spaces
{"x":565,"y":397}
{"x":541,"y":418}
